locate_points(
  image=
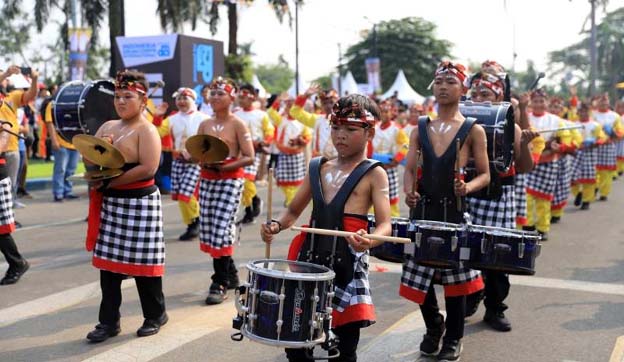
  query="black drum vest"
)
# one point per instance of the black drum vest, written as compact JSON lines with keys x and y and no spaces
{"x":329,"y":251}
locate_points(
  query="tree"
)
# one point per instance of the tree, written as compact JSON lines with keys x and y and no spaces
{"x":276,"y":78}
{"x":610,"y":46}
{"x":409,"y":44}
{"x":14,"y":30}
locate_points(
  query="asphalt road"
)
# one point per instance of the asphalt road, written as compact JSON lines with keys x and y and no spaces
{"x":571,"y":310}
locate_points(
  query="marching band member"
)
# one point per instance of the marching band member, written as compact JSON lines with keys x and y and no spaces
{"x":184,"y":173}
{"x":497,"y":210}
{"x":319,"y":123}
{"x":291,"y":138}
{"x":125,"y":215}
{"x":436,"y":199}
{"x":612,"y":126}
{"x":415,"y":111}
{"x":390,"y":147}
{"x":584,"y":177}
{"x":221,"y":186}
{"x":262,"y":131}
{"x":619,"y":109}
{"x":542,"y":180}
{"x":351,"y":184}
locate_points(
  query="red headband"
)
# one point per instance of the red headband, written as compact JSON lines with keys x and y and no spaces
{"x":353,"y":115}
{"x":226,"y":85}
{"x":493,"y":67}
{"x":539,"y":93}
{"x":330,"y":94}
{"x":490,"y":82}
{"x":186,"y":92}
{"x":134,"y":86}
{"x":456,"y":69}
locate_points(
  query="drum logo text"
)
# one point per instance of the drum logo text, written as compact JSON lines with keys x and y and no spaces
{"x":297,"y":310}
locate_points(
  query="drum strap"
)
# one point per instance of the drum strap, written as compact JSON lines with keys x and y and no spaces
{"x":325,"y":250}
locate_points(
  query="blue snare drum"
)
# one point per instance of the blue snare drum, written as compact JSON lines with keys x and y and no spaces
{"x":286,"y":303}
{"x":392,"y":252}
{"x":438,"y":244}
{"x":506,"y":250}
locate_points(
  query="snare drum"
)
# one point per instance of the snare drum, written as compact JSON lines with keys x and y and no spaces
{"x":506,"y":250}
{"x":498,"y":121}
{"x":392,"y":252}
{"x":285,"y":303}
{"x":438,"y":244}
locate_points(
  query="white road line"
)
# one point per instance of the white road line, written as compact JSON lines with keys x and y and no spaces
{"x":618,"y":351}
{"x":53,"y":302}
{"x":396,"y":343}
{"x":531,"y":281}
{"x":184,"y":327}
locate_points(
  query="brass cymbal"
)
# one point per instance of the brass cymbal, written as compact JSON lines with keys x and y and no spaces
{"x":97,"y":175}
{"x":98,"y":151}
{"x":207,"y":149}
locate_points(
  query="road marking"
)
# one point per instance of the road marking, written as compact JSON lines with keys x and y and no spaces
{"x":53,"y":302}
{"x":396,"y":343}
{"x":618,"y":351}
{"x":186,"y":326}
{"x":531,"y":281}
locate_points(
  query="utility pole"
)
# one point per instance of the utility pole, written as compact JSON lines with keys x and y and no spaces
{"x":339,"y":71}
{"x":592,"y":50}
{"x":297,"y":47}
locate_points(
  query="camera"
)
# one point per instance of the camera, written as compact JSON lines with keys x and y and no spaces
{"x":25,"y":70}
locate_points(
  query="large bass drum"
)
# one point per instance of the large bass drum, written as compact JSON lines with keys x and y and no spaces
{"x":82,"y":107}
{"x":498,"y":121}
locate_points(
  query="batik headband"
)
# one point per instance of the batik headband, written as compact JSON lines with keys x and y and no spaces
{"x":539,"y":93}
{"x":224,"y":84}
{"x":329,"y":94}
{"x":490,"y":82}
{"x":490,"y":66}
{"x":186,"y":92}
{"x":353,"y":115}
{"x":122,"y":83}
{"x":456,"y":69}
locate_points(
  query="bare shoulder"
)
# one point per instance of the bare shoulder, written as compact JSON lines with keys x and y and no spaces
{"x":148,"y":128}
{"x":477,"y":132}
{"x":378,"y":178}
{"x":238,"y":122}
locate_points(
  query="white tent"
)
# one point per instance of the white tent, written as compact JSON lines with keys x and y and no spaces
{"x":262,"y":93}
{"x":348,"y":85}
{"x":405,"y":92}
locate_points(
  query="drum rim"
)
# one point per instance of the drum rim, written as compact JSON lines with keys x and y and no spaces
{"x":497,"y":231}
{"x":437,"y":225}
{"x":280,"y":343}
{"x":328,"y":274}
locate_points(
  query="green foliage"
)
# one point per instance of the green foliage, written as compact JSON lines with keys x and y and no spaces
{"x":14,"y":30}
{"x":610,"y":46}
{"x":238,"y":67}
{"x":276,"y":78}
{"x":324,"y":81}
{"x":409,"y":44}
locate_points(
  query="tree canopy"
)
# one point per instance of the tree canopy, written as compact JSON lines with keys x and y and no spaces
{"x":610,"y":45}
{"x":409,"y":44}
{"x":275,"y":78}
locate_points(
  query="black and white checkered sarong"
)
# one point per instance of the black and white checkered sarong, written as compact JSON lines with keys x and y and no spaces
{"x":419,"y":278}
{"x":6,"y":203}
{"x":218,"y":203}
{"x":499,"y":213}
{"x":358,"y":290}
{"x":252,"y":170}
{"x":184,"y":179}
{"x":607,"y":155}
{"x":520,"y":196}
{"x":585,"y":166}
{"x":393,"y":181}
{"x":564,"y":177}
{"x":543,"y":179}
{"x":291,"y":169}
{"x":131,"y":232}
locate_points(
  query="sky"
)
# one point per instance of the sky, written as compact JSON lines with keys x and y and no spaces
{"x":479,"y":29}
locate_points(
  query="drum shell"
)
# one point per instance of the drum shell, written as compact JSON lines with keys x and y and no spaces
{"x":484,"y":255}
{"x":391,"y":252}
{"x":297,"y":311}
{"x":82,"y":107}
{"x":431,"y":254}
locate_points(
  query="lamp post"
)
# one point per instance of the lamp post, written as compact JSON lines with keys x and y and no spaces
{"x":297,"y":47}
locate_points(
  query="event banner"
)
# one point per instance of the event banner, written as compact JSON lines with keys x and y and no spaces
{"x":79,"y":41}
{"x":373,"y":73}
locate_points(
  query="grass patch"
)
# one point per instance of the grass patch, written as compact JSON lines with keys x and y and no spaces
{"x":42,"y":169}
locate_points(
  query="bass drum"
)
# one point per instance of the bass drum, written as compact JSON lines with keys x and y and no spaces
{"x":498,"y":121}
{"x":82,"y":107}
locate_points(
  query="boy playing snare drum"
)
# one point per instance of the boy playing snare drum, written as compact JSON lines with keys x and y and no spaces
{"x":342,"y":191}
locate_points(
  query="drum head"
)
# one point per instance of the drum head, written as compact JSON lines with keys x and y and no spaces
{"x":65,"y":110}
{"x":97,"y":105}
{"x":291,"y":270}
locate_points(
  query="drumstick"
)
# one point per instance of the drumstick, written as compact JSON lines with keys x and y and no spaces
{"x":390,"y":239}
{"x":580,"y":126}
{"x":3,"y":122}
{"x":457,"y":175}
{"x":267,"y":246}
{"x":415,"y":183}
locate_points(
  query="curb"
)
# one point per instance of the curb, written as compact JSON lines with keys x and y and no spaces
{"x":38,"y":184}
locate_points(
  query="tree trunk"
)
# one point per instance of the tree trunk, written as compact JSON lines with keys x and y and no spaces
{"x":117,"y":27}
{"x":233,"y":28}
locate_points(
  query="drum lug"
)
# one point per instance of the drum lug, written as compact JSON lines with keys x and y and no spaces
{"x":483,"y":245}
{"x":454,"y":242}
{"x":538,"y":249}
{"x":417,"y":238}
{"x":521,"y":250}
{"x":238,"y":301}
